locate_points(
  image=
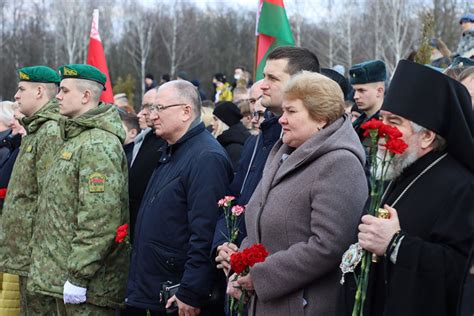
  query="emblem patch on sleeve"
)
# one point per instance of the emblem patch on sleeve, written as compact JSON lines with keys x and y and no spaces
{"x":66,"y":155}
{"x":96,"y":183}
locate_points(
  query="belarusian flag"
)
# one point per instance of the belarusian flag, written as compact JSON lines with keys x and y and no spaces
{"x":273,"y":29}
{"x":96,"y":57}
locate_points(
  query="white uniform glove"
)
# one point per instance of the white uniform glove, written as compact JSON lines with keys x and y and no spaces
{"x":73,"y":294}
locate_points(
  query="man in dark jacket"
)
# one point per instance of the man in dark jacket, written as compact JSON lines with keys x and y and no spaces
{"x":425,"y":242}
{"x":179,"y":210}
{"x":282,"y":63}
{"x":145,"y":158}
{"x":367,"y":80}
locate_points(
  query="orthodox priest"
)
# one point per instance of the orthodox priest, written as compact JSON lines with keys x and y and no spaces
{"x":424,"y":245}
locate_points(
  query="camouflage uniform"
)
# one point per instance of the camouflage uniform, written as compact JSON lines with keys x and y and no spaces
{"x":82,"y":310}
{"x":84,"y":201}
{"x":36,"y":154}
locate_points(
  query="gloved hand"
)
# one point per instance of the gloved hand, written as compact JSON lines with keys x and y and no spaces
{"x":73,"y":294}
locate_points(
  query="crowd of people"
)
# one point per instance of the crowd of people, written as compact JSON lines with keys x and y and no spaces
{"x":291,"y":148}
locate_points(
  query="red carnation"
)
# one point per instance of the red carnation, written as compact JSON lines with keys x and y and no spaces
{"x":241,"y":261}
{"x":390,"y":132}
{"x":238,"y":262}
{"x":3,"y":193}
{"x":255,"y":254}
{"x":372,"y":124}
{"x":122,"y":233}
{"x":396,"y":146}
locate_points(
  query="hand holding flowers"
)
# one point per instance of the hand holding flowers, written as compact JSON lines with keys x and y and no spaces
{"x":375,"y":233}
{"x":241,"y":282}
{"x":380,"y":225}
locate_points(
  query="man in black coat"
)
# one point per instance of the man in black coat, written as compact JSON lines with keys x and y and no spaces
{"x":423,"y":246}
{"x":178,"y":214}
{"x":145,"y":157}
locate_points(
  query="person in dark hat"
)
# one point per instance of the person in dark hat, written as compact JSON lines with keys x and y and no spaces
{"x":368,"y":81}
{"x":424,"y":244}
{"x":197,"y":84}
{"x":345,"y":87}
{"x":150,"y":82}
{"x":164,"y":79}
{"x":466,"y":44}
{"x":229,"y":130}
{"x":340,"y":80}
{"x":222,"y":87}
{"x":37,"y":86}
{"x":182,"y":75}
{"x":75,"y":258}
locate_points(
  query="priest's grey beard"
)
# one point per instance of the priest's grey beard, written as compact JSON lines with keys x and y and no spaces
{"x":398,"y":164}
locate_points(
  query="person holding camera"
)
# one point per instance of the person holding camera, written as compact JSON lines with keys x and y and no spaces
{"x":178,"y":213}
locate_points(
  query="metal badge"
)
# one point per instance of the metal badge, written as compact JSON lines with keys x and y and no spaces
{"x":350,"y":260}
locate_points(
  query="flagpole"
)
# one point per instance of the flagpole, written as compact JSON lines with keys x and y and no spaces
{"x":257,"y":40}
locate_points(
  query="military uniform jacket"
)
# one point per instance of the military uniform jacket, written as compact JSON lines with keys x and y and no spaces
{"x":36,"y":154}
{"x":84,"y":201}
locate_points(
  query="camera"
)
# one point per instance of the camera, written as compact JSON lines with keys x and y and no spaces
{"x":168,"y":289}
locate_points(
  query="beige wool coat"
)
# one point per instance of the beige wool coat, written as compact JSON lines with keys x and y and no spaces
{"x":305,"y":211}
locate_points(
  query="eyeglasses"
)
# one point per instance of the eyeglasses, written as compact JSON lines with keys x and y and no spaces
{"x":157,"y":108}
{"x":257,"y":115}
{"x":145,"y":109}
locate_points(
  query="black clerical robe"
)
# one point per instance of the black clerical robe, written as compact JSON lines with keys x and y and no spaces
{"x":427,"y":276}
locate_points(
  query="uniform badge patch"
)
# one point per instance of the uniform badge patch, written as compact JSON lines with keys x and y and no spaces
{"x":66,"y":155}
{"x":96,"y":182}
{"x":69,"y":72}
{"x":24,"y":76}
{"x":29,"y":149}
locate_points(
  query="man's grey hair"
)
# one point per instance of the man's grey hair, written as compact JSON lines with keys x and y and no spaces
{"x":187,"y":92}
{"x":94,"y":87}
{"x":439,"y":143}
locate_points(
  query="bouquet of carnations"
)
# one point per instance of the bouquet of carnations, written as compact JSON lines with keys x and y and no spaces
{"x":232,"y":214}
{"x":122,"y":234}
{"x":240,"y":263}
{"x":385,"y":143}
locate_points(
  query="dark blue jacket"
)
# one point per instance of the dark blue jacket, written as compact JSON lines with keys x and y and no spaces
{"x":176,"y":221}
{"x":12,"y":143}
{"x":252,"y":161}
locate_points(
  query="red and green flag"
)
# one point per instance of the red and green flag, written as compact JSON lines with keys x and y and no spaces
{"x":273,"y":30}
{"x":96,"y":57}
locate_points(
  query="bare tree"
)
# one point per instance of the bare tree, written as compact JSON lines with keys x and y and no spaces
{"x":179,"y":36}
{"x":399,"y":35}
{"x":73,"y":28}
{"x":141,"y":28}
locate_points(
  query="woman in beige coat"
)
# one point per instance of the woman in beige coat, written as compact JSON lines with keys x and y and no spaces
{"x":307,"y":206}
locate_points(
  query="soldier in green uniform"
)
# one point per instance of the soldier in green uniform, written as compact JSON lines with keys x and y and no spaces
{"x":75,"y":258}
{"x":37,"y":88}
{"x":368,"y":80}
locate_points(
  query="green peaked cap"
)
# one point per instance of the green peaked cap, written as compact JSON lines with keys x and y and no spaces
{"x":38,"y":74}
{"x":367,"y":72}
{"x":82,"y":71}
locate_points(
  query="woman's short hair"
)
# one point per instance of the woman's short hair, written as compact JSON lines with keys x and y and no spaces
{"x":7,"y":110}
{"x":321,"y":96}
{"x":206,"y":115}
